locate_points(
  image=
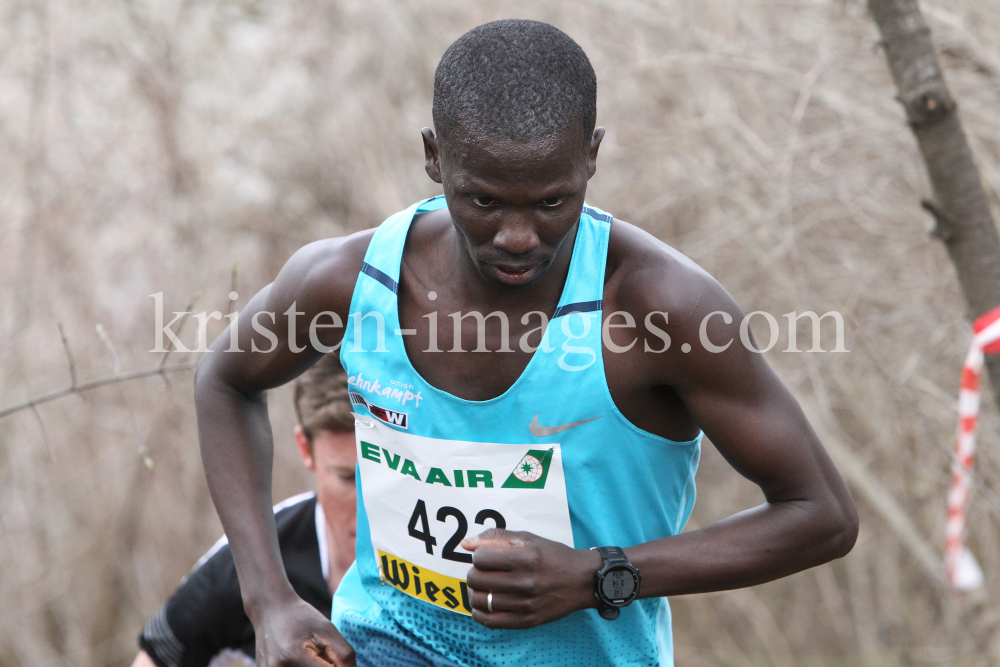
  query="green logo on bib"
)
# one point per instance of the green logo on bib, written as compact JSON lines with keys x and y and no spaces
{"x":531,"y":471}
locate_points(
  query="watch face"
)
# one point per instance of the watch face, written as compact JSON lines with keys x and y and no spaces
{"x":618,"y":584}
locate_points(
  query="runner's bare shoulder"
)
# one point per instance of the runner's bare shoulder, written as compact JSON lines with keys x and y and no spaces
{"x":645,"y":274}
{"x":321,"y":276}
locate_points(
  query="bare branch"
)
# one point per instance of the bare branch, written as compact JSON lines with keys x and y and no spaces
{"x":959,"y":203}
{"x":94,"y":384}
{"x":45,"y":433}
{"x":115,"y":364}
{"x":942,"y":225}
{"x":232,"y":291}
{"x":180,"y":327}
{"x":69,"y":355}
{"x":141,"y":448}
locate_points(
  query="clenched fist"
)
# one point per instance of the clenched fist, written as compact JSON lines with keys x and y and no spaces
{"x":532,"y":580}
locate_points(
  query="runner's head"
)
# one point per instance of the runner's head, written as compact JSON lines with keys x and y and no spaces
{"x":325,"y":436}
{"x":515,"y":104}
{"x":517,"y":80}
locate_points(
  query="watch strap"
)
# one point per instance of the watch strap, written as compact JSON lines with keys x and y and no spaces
{"x":609,"y":613}
{"x":612,"y":556}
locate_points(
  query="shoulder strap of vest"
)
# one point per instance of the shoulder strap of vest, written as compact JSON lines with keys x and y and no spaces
{"x":584,"y":291}
{"x":386,"y":248}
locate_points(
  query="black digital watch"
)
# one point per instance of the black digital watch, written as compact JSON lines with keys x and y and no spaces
{"x":616,"y":584}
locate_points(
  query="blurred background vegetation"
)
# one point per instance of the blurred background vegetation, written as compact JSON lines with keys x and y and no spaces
{"x":149,"y":145}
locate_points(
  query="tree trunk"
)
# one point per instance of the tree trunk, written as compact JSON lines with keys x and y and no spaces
{"x":959,"y":206}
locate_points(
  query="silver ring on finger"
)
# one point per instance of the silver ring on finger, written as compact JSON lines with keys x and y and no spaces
{"x":489,"y":602}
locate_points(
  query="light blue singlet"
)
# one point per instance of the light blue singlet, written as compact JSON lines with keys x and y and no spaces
{"x":623,"y":486}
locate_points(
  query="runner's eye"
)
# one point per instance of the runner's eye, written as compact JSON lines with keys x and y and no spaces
{"x":483,"y":202}
{"x":552,"y":202}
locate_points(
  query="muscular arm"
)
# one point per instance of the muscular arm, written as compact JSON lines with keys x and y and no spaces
{"x":237,"y":446}
{"x":808,"y":517}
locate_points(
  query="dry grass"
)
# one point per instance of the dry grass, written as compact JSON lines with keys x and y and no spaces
{"x":147,"y":146}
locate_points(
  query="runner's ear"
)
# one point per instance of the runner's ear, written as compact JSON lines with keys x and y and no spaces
{"x":595,"y":145}
{"x":305,"y":448}
{"x":432,"y":154}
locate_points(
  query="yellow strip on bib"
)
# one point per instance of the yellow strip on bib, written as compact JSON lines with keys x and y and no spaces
{"x":438,"y":589}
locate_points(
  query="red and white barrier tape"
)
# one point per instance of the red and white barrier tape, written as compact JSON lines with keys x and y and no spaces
{"x":963,"y":572}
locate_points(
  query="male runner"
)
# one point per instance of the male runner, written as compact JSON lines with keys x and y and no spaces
{"x":585,"y":436}
{"x":203,"y":622}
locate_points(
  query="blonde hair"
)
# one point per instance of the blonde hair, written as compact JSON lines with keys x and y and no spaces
{"x":321,"y":400}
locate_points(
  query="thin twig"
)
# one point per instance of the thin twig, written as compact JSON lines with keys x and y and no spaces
{"x":45,"y":433}
{"x":141,"y":448}
{"x":94,"y":384}
{"x":233,"y":295}
{"x":115,"y":364}
{"x":180,"y":327}
{"x":69,"y":355}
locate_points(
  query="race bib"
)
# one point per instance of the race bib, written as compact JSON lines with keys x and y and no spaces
{"x":423,"y":496}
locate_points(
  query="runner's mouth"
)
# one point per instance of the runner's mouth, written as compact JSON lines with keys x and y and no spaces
{"x":514,"y":275}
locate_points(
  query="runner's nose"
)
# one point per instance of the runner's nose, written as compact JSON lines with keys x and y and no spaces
{"x":516,"y":236}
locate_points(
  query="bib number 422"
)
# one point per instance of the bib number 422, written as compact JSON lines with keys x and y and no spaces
{"x":419,"y":528}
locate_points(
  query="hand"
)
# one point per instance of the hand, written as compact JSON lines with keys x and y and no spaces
{"x":294,"y":634}
{"x":533,"y":580}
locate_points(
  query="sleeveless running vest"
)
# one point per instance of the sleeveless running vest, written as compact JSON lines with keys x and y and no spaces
{"x":552,"y":455}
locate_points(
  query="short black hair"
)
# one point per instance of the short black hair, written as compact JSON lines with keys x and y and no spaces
{"x":514,"y":79}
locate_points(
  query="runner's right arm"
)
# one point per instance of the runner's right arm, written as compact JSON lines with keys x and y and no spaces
{"x":237,"y":446}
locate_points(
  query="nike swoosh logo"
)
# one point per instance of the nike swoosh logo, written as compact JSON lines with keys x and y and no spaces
{"x":540,"y":431}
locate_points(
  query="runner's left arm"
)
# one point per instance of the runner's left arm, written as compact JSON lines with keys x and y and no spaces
{"x":808,"y":517}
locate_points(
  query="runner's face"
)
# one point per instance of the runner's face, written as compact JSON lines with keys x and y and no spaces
{"x":333,"y":461}
{"x":513,"y":203}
